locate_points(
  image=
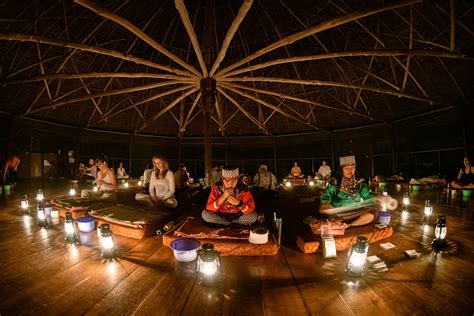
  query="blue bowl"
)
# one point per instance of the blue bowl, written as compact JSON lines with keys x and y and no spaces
{"x":86,"y":224}
{"x":185,"y":249}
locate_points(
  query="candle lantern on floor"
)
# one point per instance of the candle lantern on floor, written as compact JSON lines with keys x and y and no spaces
{"x":71,"y":235}
{"x":427,"y":212}
{"x":72,"y":191}
{"x":384,"y":192}
{"x":406,"y":201}
{"x":208,"y":263}
{"x":42,"y":222}
{"x":25,"y":205}
{"x":356,"y":264}
{"x":107,"y":242}
{"x":40,"y":195}
{"x":95,"y":189}
{"x":126,"y":184}
{"x":440,"y":232}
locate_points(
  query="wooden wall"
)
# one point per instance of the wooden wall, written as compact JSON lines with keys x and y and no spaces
{"x":419,"y":146}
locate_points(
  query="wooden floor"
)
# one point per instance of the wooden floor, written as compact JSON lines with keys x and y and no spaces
{"x":41,"y":274}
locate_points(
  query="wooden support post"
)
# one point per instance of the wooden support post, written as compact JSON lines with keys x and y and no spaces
{"x":453,"y":26}
{"x":333,"y":151}
{"x":208,"y":88}
{"x":130,"y":153}
{"x":394,"y":149}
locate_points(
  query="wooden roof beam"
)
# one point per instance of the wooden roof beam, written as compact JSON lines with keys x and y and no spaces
{"x":331,"y":84}
{"x":289,"y":97}
{"x":270,"y":106}
{"x":183,"y":12}
{"x":326,"y":25}
{"x":230,"y":35}
{"x":244,"y":111}
{"x":365,"y":53}
{"x":113,"y":112}
{"x":137,"y":32}
{"x":55,"y":104}
{"x":166,"y":109}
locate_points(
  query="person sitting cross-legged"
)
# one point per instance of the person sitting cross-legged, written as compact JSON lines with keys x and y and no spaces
{"x":230,"y":201}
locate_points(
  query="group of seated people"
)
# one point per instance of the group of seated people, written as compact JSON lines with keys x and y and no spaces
{"x":349,"y":197}
{"x":159,"y":180}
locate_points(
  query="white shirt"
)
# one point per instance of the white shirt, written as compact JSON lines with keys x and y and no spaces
{"x":162,"y":189}
{"x":324,"y":171}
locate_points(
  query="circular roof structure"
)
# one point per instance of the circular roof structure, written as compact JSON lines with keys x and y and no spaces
{"x":260,"y":67}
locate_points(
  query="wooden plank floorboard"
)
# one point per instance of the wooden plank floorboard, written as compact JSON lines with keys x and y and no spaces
{"x":40,"y":274}
{"x":86,"y":282}
{"x":281,"y":295}
{"x":243,"y":286}
{"x":319,"y":294}
{"x":170,"y":294}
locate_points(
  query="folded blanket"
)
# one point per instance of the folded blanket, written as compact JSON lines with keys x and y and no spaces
{"x":73,"y":202}
{"x":124,"y":215}
{"x":195,"y":228}
{"x":327,"y":226}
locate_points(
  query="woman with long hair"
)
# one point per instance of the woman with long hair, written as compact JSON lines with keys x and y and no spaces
{"x":162,"y":186}
{"x":106,"y":182}
{"x":465,"y":179}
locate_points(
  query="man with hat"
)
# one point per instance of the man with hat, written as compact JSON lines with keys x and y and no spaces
{"x":230,"y":201}
{"x":265,"y":179}
{"x":348,"y":198}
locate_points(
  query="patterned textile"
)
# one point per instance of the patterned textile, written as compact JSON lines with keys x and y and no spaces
{"x":219,"y":218}
{"x":194,"y":228}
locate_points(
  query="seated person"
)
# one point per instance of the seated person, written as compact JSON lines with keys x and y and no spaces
{"x":10,"y":170}
{"x":106,"y":183}
{"x":264,"y":179}
{"x":88,"y":172}
{"x":162,"y":186}
{"x":181,"y":178}
{"x":230,"y":201}
{"x":324,"y":172}
{"x":246,"y":179}
{"x":121,"y":173}
{"x":347,"y":196}
{"x":216,"y":173}
{"x":296,"y":171}
{"x":465,"y":179}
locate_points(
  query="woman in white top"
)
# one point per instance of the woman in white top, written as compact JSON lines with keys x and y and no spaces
{"x":121,"y":173}
{"x":106,"y":183}
{"x":162,"y":186}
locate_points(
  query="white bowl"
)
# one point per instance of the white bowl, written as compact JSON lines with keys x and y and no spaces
{"x":185,"y":249}
{"x":86,"y":224}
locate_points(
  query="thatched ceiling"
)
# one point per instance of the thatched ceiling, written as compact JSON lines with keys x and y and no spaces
{"x":282,"y":66}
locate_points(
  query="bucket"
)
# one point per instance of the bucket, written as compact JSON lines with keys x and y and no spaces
{"x":466,"y":192}
{"x":185,"y":249}
{"x":7,"y":188}
{"x":415,"y":187}
{"x":382,"y":185}
{"x":384,"y":217}
{"x":86,"y":224}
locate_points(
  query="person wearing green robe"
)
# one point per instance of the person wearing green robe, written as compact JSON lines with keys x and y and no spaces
{"x":350,"y":198}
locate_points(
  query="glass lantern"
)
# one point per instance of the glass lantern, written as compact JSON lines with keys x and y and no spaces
{"x":107,"y":242}
{"x":71,"y":235}
{"x":208,"y":263}
{"x":40,"y":195}
{"x":406,"y":200}
{"x":95,"y":189}
{"x":72,"y":191}
{"x":440,"y":232}
{"x":42,"y":222}
{"x":356,"y":264}
{"x":25,"y":205}
{"x":427,"y":212}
